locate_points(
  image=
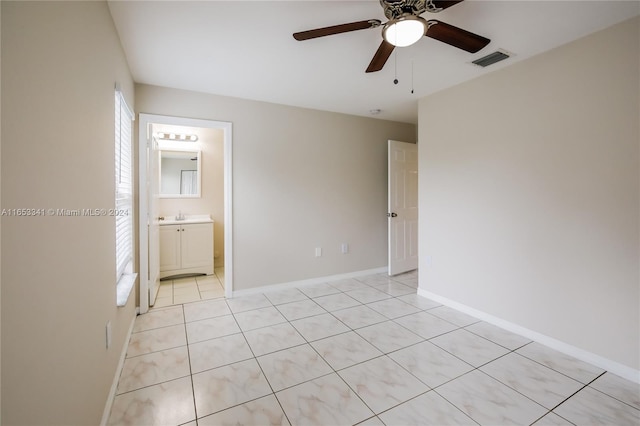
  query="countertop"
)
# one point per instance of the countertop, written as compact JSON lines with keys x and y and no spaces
{"x":189,"y":218}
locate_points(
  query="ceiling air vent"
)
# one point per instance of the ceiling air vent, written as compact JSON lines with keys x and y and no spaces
{"x":491,"y":58}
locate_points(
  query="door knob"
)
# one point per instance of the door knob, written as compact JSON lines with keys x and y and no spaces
{"x":392,"y":215}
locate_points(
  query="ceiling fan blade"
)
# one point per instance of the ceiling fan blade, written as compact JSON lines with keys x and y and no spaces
{"x":457,"y":37}
{"x":440,"y":5}
{"x":336,"y":29}
{"x":381,"y":56}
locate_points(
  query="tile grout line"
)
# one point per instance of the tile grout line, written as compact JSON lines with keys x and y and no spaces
{"x":570,"y":396}
{"x":193,"y":389}
{"x":585,"y":385}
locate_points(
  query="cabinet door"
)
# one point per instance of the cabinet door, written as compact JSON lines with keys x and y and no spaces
{"x":170,"y":247}
{"x":197,"y":245}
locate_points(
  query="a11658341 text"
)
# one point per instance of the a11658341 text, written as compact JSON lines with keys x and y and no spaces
{"x":32,"y":212}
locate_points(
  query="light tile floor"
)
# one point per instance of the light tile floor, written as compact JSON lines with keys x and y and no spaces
{"x":363,"y":351}
{"x":190,"y":289}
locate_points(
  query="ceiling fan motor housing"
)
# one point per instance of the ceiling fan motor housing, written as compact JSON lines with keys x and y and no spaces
{"x":394,"y":9}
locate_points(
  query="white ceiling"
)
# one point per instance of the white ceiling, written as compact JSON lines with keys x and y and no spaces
{"x":246,"y":49}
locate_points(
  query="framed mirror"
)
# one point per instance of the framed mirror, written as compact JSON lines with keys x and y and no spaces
{"x":180,"y":173}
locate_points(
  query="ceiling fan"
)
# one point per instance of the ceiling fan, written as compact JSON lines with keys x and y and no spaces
{"x":405,"y":27}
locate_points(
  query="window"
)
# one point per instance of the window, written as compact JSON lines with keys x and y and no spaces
{"x":123,"y":199}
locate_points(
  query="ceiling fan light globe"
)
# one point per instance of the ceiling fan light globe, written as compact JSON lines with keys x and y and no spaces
{"x":404,"y":31}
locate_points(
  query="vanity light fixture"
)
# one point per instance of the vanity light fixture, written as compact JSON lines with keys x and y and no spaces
{"x":177,"y":137}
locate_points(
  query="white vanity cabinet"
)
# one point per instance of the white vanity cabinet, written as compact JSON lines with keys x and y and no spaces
{"x":186,"y":247}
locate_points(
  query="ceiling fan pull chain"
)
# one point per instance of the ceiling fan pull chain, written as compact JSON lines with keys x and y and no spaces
{"x":412,"y":76}
{"x":395,"y":59}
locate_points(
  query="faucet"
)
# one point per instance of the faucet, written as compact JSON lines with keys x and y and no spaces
{"x":180,"y":216}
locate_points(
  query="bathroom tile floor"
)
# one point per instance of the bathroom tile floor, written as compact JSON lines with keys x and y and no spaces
{"x":190,"y":289}
{"x":359,"y":351}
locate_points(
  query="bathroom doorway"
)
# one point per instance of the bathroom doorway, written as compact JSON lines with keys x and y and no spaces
{"x":210,"y":142}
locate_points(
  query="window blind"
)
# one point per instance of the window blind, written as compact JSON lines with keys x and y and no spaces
{"x":124,"y":185}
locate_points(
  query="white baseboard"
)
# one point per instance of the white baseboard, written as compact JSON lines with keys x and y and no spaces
{"x":310,"y":281}
{"x":581,"y":354}
{"x":116,"y":378}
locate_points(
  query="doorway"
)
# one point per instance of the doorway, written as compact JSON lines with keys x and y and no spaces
{"x":149,"y":196}
{"x":403,"y":207}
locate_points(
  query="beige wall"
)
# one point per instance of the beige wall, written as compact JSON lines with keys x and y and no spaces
{"x":60,"y":61}
{"x":301,"y":179}
{"x":0,"y":220}
{"x":529,"y":194}
{"x":211,"y":202}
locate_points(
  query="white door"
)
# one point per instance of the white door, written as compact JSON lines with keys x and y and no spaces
{"x":153,"y":183}
{"x":403,"y":207}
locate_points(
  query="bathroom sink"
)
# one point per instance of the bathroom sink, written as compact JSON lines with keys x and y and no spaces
{"x":190,"y":218}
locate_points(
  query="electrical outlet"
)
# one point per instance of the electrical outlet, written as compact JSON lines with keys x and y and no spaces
{"x":108,"y":334}
{"x":318,"y":251}
{"x":344,"y":248}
